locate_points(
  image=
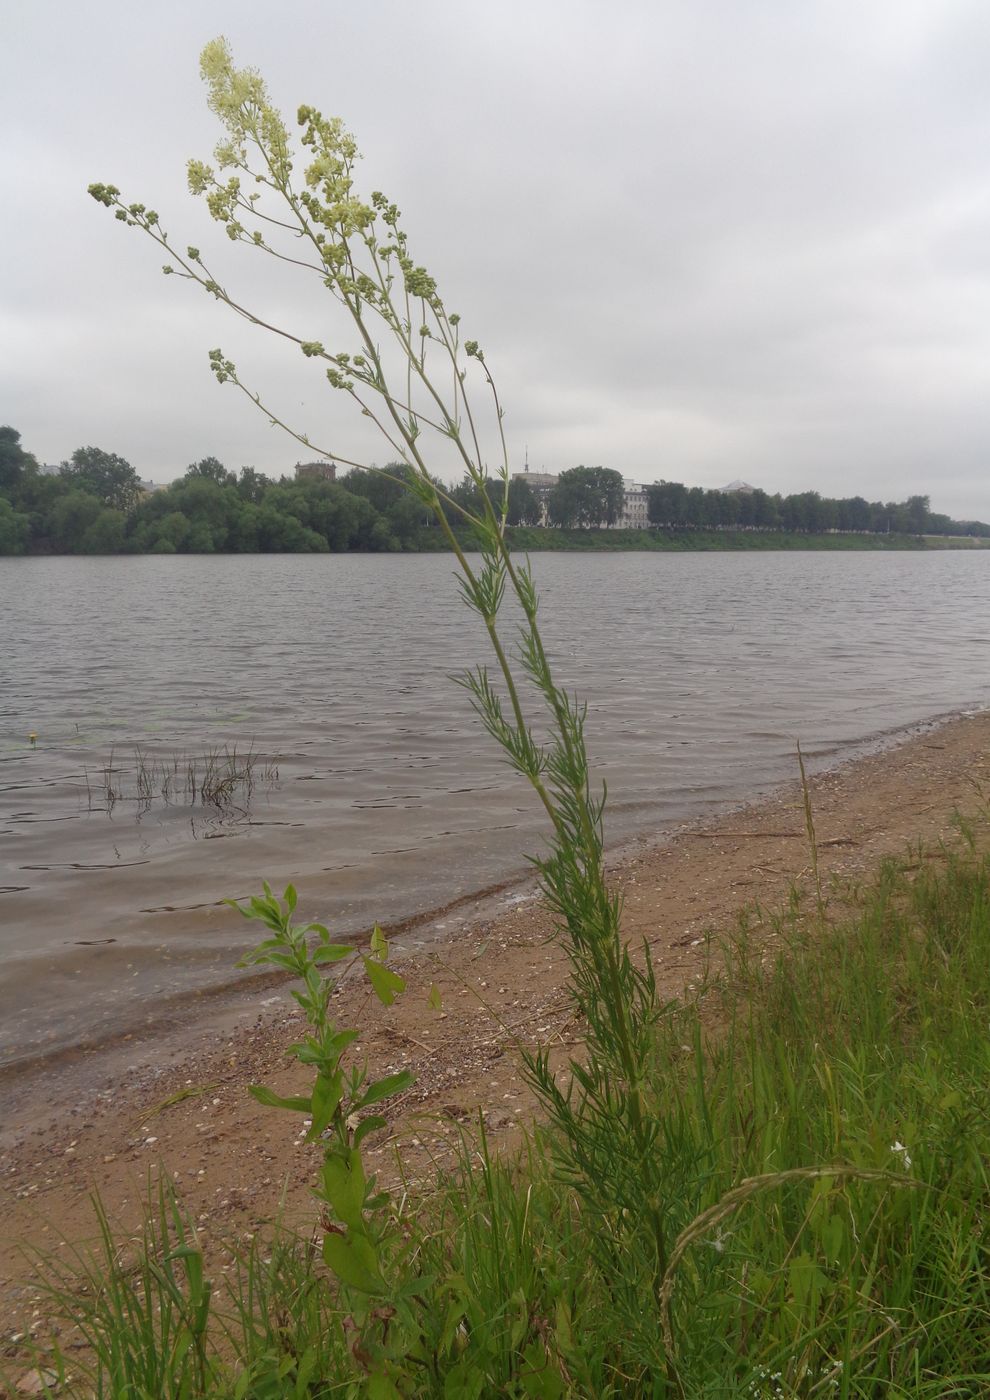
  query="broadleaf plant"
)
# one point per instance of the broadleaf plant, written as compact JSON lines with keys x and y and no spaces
{"x":359,"y":1231}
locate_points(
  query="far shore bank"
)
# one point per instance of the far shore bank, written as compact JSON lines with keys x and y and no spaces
{"x":534,"y":540}
{"x":526,"y":539}
{"x":500,"y":976}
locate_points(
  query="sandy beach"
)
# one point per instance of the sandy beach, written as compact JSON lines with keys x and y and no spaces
{"x":182,"y":1108}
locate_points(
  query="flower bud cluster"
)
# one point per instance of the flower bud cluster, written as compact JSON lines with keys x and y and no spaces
{"x":359,"y":247}
{"x":223,"y":369}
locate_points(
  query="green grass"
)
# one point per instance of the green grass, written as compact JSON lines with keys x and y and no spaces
{"x":822,"y":1138}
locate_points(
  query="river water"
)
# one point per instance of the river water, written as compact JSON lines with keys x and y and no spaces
{"x":372,"y":785}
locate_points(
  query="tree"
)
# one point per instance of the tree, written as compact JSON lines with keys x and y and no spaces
{"x":666,"y":503}
{"x":15,"y":529}
{"x":918,"y":511}
{"x":252,"y":485}
{"x":110,"y":478}
{"x":525,"y":507}
{"x":14,"y":461}
{"x":173,"y":529}
{"x":71,"y":517}
{"x":765,"y":512}
{"x":854,"y":513}
{"x":212,"y":470}
{"x":392,"y":495}
{"x":106,"y":534}
{"x":586,"y":497}
{"x":208,"y":507}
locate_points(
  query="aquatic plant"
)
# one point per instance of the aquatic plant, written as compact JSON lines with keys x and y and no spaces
{"x":222,"y":777}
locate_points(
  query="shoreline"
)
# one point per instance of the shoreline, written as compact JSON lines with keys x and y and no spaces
{"x":180,"y":1020}
{"x":613,"y":539}
{"x":233,"y":1161}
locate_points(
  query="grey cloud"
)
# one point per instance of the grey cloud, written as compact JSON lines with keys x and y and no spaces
{"x":697,"y":239}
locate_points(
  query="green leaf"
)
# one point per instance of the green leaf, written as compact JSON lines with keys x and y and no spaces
{"x":384,"y":1088}
{"x":379,"y":944}
{"x":307,"y":1052}
{"x":456,"y":1313}
{"x":434,"y":1000}
{"x":386,"y":983}
{"x":290,"y":897}
{"x":371,"y":1124}
{"x":193,"y":1260}
{"x":539,"y":1381}
{"x":465,"y":1381}
{"x":380,"y":1387}
{"x":344,"y":1185}
{"x":339,"y":1042}
{"x":520,"y":1326}
{"x":273,"y":1100}
{"x":565,"y":1336}
{"x":833,"y":1235}
{"x":327,"y":1090}
{"x":331,"y":952}
{"x":353,"y":1259}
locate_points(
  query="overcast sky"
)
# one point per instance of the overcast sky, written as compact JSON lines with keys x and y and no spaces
{"x":698,"y":239}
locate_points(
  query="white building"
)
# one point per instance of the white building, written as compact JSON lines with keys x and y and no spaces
{"x":635,"y":507}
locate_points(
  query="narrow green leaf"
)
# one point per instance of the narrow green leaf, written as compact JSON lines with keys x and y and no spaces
{"x":385,"y":1088}
{"x":273,"y":1100}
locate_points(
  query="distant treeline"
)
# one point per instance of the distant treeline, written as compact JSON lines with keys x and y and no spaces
{"x":691,"y":508}
{"x":95,"y":504}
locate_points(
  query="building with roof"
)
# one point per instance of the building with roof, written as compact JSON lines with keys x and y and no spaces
{"x":316,"y":471}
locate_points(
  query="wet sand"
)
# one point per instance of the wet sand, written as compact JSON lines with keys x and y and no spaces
{"x":184,"y":1108}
